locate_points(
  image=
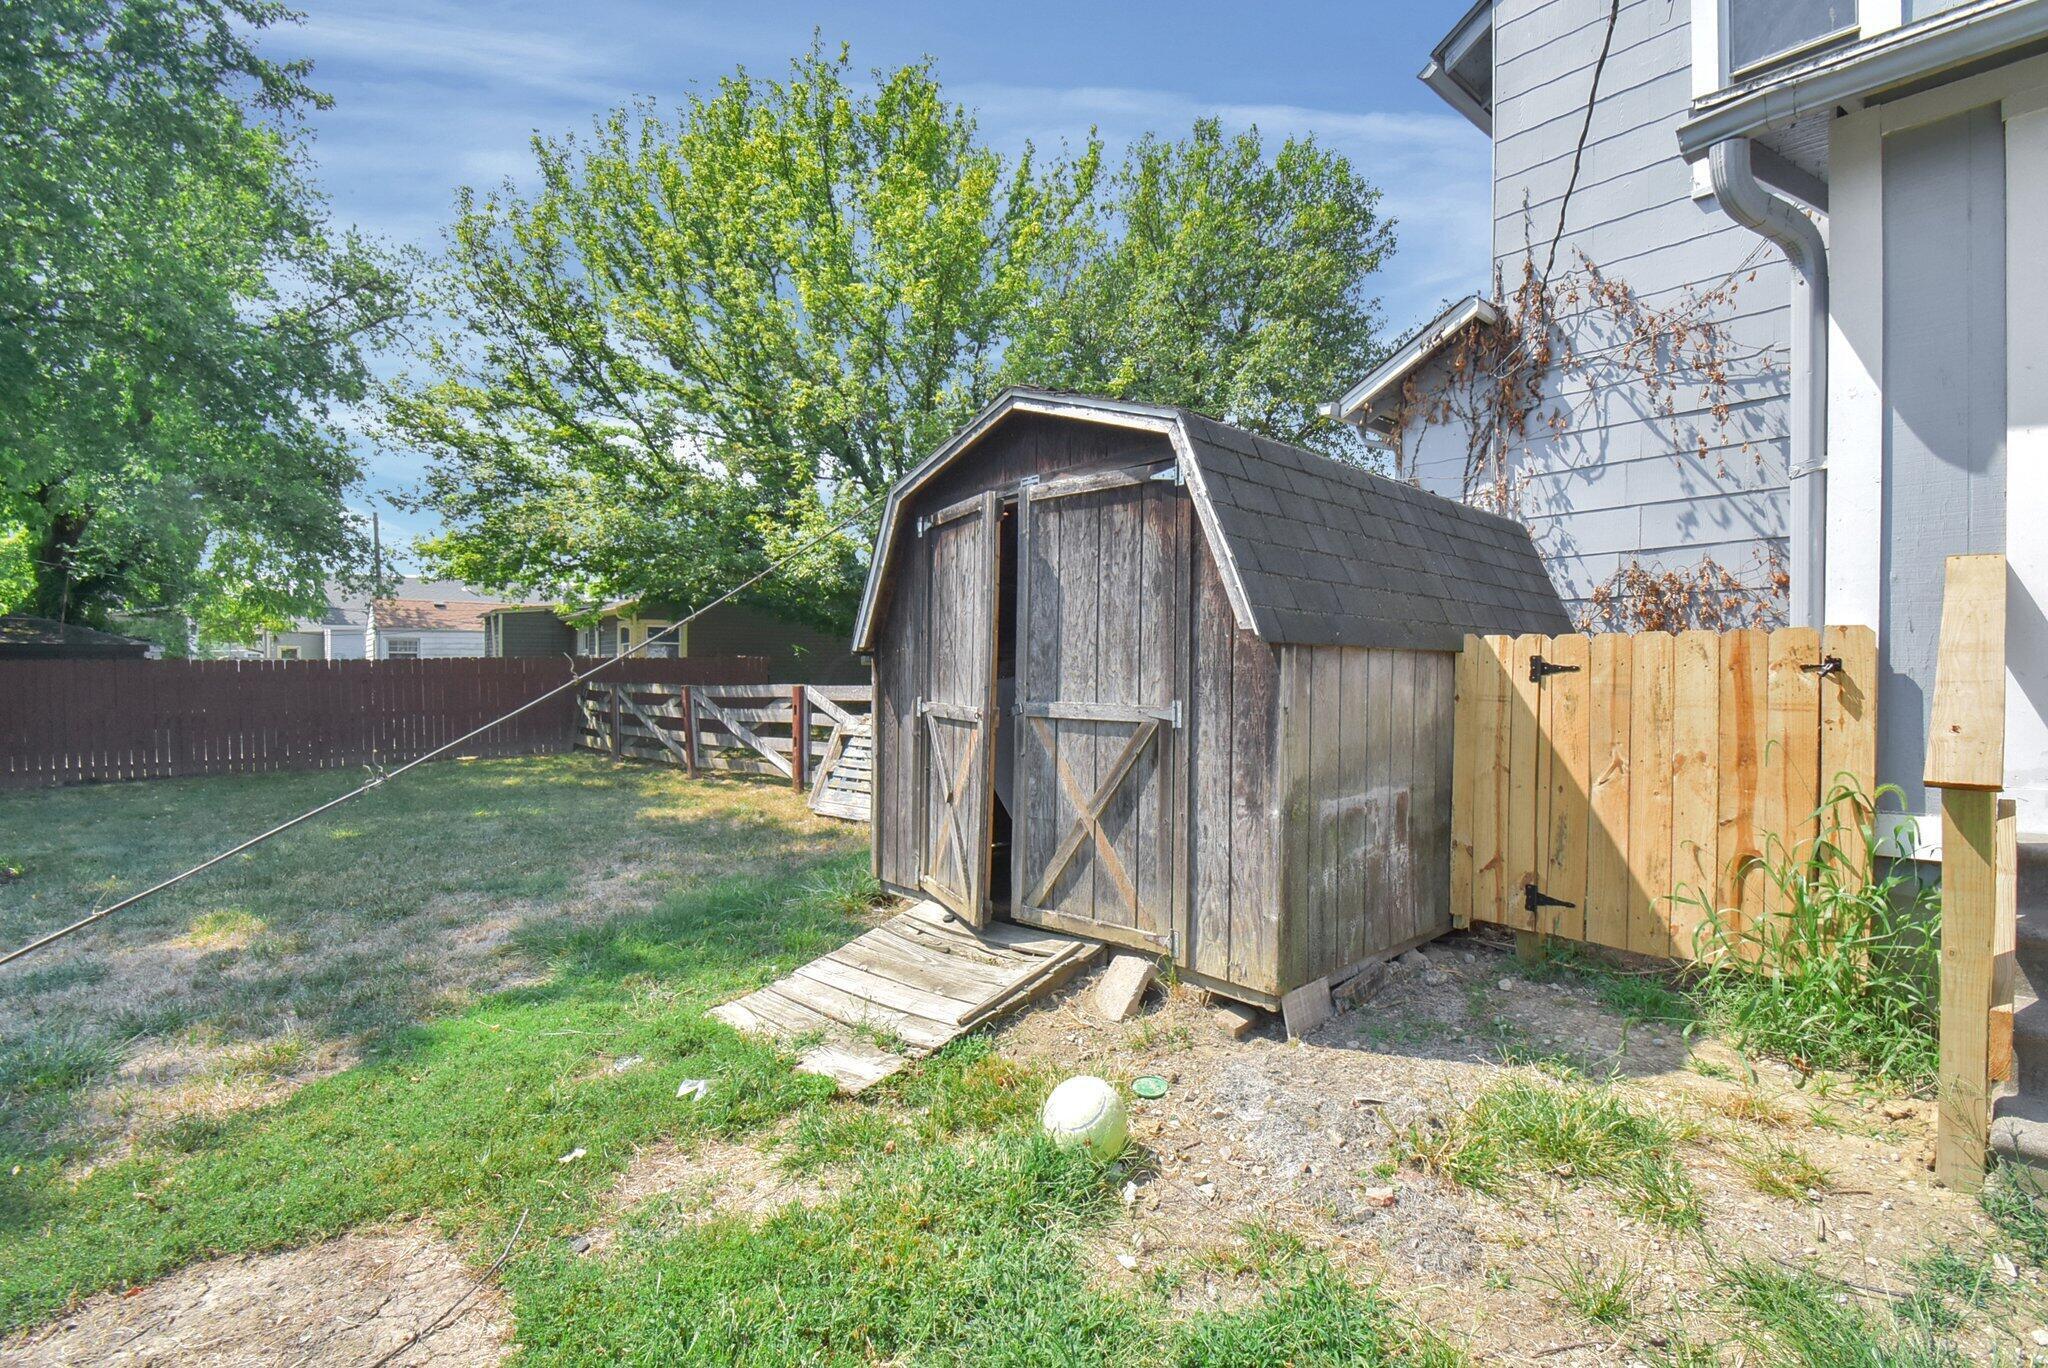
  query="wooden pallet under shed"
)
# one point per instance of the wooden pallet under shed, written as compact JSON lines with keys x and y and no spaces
{"x":922,"y":978}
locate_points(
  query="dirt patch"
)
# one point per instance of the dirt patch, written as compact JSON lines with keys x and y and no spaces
{"x":1306,"y":1137}
{"x":403,"y":1292}
{"x":671,"y":1187}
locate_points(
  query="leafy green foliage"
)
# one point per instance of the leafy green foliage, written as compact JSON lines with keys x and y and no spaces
{"x":1847,"y":976}
{"x":1524,"y":1127}
{"x":1228,"y":279}
{"x":178,"y":319}
{"x":706,"y":338}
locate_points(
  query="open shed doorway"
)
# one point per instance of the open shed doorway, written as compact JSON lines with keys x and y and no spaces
{"x":1054,"y":729}
{"x":1002,"y":822}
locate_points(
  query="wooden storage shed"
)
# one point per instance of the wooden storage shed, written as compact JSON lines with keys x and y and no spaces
{"x":1149,"y":678}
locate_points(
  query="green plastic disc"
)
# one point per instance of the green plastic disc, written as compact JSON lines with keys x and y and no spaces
{"x":1151,"y":1085}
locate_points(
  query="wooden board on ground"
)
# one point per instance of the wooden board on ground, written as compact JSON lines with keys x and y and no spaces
{"x":915,"y":982}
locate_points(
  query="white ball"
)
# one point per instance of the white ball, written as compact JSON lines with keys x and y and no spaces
{"x":1086,"y":1111}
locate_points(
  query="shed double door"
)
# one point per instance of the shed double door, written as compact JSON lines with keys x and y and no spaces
{"x":956,"y":717}
{"x":1099,"y":776}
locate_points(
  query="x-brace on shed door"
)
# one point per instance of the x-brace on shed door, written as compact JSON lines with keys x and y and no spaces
{"x":1100,"y":772}
{"x":956,"y":724}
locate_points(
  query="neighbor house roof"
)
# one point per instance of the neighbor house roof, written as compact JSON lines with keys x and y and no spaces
{"x":1411,"y":353}
{"x":34,"y":638}
{"x":350,"y":607}
{"x":1312,"y":550}
{"x":414,"y":615}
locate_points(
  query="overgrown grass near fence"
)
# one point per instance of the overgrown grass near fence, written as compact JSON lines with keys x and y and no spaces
{"x":1847,"y":975}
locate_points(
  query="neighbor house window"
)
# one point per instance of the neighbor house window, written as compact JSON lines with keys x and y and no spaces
{"x":1760,"y":32}
{"x":586,"y":641}
{"x":403,"y":648}
{"x":287,"y":653}
{"x":625,"y":638}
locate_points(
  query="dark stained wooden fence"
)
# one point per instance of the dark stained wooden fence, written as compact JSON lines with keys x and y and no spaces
{"x":82,"y":721}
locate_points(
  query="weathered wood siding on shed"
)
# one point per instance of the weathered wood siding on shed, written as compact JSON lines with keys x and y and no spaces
{"x":1027,"y":445}
{"x":1364,"y":780}
{"x":1234,"y":895}
{"x":1624,"y":478}
{"x":1102,"y":634}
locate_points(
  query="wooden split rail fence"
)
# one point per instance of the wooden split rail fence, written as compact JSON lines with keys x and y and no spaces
{"x":1597,"y":775}
{"x":744,"y":729}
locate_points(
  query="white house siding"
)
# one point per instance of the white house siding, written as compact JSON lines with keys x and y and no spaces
{"x":1944,"y":414}
{"x":1624,"y":482}
{"x":434,"y":645}
{"x":1920,"y":337}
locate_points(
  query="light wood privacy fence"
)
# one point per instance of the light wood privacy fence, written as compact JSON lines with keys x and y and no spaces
{"x":1596,"y":775}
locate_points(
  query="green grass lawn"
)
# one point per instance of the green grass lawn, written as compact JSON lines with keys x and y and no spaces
{"x":472,"y":950}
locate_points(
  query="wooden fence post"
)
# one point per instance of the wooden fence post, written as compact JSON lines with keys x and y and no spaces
{"x":689,"y":711}
{"x":799,"y":739}
{"x":615,"y":723}
{"x":1966,"y":761}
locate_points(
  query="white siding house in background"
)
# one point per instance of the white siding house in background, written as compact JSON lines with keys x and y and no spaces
{"x":1613,"y":470}
{"x":1872,"y":180}
{"x":421,"y":620}
{"x":426,"y":629}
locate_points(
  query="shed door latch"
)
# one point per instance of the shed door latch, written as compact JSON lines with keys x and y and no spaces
{"x":1828,"y":665}
{"x":1540,"y":669}
{"x":1534,"y":898}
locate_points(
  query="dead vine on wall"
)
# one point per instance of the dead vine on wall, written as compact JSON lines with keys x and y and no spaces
{"x":1532,"y":375}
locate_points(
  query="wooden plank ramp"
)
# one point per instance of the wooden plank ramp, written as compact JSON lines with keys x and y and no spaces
{"x":904,"y":989}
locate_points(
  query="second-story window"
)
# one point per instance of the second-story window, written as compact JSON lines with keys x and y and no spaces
{"x":1760,"y":32}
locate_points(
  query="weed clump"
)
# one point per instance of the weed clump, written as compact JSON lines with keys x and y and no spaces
{"x":1575,"y":1132}
{"x":1795,"y":1316}
{"x":1844,"y":974}
{"x":1783,"y":1171}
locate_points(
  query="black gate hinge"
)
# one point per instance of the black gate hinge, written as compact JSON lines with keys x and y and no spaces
{"x":1539,"y":668}
{"x":1534,"y":898}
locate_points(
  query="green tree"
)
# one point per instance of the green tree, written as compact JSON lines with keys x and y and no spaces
{"x":1227,"y":281}
{"x":698,"y":341}
{"x":179,"y":321}
{"x":702,"y":339}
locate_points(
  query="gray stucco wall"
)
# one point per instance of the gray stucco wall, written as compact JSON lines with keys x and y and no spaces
{"x":1624,"y":480}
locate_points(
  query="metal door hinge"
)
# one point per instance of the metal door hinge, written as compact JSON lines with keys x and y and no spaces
{"x":1171,"y":475}
{"x":1540,"y":669}
{"x":1534,"y":898}
{"x":923,"y":525}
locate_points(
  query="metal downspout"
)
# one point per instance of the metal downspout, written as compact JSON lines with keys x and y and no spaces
{"x":1745,"y":200}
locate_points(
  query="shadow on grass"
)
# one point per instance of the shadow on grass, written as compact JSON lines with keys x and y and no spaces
{"x":383,"y":916}
{"x":467,"y":1118}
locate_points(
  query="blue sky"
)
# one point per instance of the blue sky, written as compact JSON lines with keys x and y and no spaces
{"x":433,"y":94}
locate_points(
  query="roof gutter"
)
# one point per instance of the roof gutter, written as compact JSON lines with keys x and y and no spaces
{"x":1745,"y":199}
{"x":1966,"y":34}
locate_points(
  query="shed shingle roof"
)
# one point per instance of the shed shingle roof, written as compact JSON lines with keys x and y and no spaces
{"x":1313,"y":551}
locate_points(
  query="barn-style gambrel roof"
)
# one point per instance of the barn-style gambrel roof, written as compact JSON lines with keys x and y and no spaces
{"x":1312,"y":550}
